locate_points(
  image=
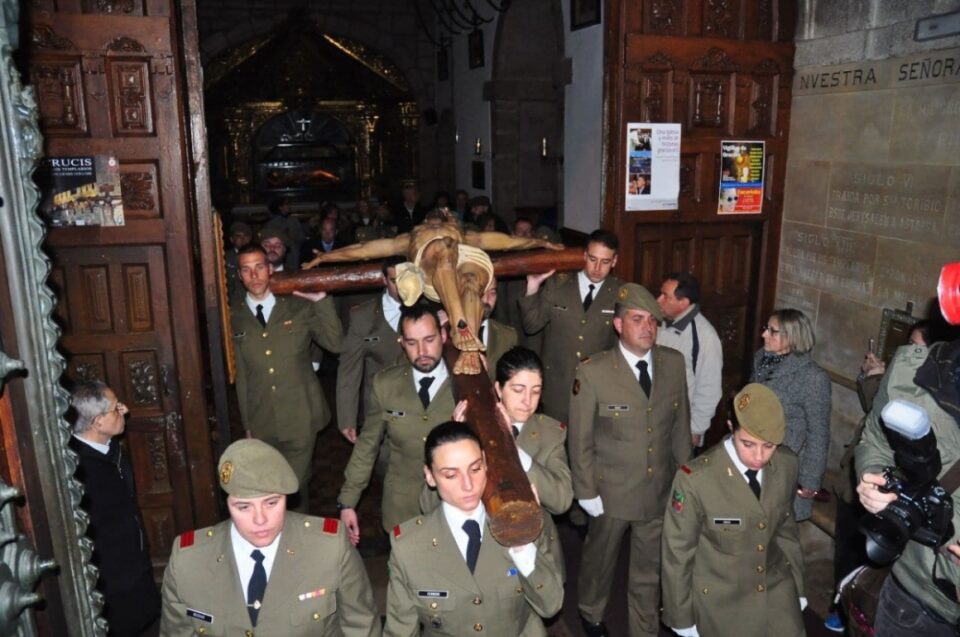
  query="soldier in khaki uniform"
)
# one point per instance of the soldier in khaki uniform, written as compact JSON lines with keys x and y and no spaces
{"x":372,"y":344}
{"x":540,"y":441}
{"x":396,"y":409}
{"x":448,"y":576}
{"x":280,"y":398}
{"x":497,"y":337}
{"x":266,"y":571}
{"x":629,"y":433}
{"x":573,"y":326}
{"x":731,"y":549}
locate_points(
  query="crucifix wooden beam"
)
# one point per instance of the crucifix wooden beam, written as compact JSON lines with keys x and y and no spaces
{"x":514,"y":515}
{"x":359,"y":276}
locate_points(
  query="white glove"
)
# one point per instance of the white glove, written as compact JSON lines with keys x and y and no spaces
{"x":803,"y":603}
{"x":524,"y":558}
{"x":525,"y":460}
{"x":686,"y":632}
{"x":593,"y":506}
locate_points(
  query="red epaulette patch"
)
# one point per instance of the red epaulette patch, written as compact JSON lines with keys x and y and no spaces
{"x":687,"y":470}
{"x":563,"y":425}
{"x":396,"y":531}
{"x":331,"y":525}
{"x":186,"y":539}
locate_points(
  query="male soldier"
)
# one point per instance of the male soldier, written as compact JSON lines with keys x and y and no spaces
{"x":575,"y":314}
{"x":629,"y":432}
{"x":510,"y":291}
{"x":280,"y":398}
{"x":240,"y":235}
{"x":372,"y":344}
{"x":404,"y":402}
{"x":689,"y":332}
{"x":448,"y":574}
{"x":289,"y":227}
{"x":497,"y":338}
{"x":731,"y":548}
{"x":266,"y":569}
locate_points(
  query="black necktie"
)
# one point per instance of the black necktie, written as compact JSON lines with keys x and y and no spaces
{"x":424,"y":392}
{"x":588,"y":299}
{"x":516,"y":431}
{"x":754,"y":483}
{"x":257,"y":587}
{"x":261,"y":317}
{"x":645,"y":383}
{"x":472,"y":529}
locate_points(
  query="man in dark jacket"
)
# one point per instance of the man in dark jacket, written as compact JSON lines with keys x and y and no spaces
{"x":119,"y":542}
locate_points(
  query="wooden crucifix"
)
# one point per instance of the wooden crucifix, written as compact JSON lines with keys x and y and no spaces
{"x":438,"y":253}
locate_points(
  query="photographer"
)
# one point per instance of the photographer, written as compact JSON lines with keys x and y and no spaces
{"x":920,"y":596}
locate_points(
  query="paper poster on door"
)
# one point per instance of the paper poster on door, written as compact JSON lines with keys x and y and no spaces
{"x":81,"y":191}
{"x":653,"y":166}
{"x":741,"y":178}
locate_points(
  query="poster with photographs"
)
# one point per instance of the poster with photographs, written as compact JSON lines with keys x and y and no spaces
{"x":81,"y":191}
{"x":741,"y":178}
{"x":653,"y":166}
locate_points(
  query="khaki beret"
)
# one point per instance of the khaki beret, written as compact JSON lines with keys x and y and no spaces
{"x":240,"y":226}
{"x":636,"y":297}
{"x":251,"y":468}
{"x":760,"y":413}
{"x":274,"y":233}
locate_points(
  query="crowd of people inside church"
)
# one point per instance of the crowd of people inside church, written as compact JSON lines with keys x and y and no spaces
{"x":609,"y":391}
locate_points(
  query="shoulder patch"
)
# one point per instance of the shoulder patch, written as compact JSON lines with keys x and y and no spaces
{"x":562,"y":425}
{"x":396,"y":531}
{"x":186,"y":539}
{"x":687,"y":470}
{"x":677,"y":501}
{"x":331,"y":526}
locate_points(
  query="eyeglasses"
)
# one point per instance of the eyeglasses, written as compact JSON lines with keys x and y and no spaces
{"x":118,"y":408}
{"x":767,"y":328}
{"x":731,"y":198}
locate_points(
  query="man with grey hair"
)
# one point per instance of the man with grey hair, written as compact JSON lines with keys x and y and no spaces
{"x":132,"y":602}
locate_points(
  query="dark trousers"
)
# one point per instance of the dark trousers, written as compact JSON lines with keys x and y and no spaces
{"x":899,"y":614}
{"x":850,"y":547}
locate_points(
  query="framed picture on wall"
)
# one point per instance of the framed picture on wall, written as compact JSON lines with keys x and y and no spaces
{"x":443,"y":65}
{"x":584,"y":13}
{"x":475,"y":49}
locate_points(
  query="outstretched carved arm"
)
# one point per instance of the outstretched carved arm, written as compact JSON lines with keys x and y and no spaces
{"x":375,"y":249}
{"x":496,"y":241}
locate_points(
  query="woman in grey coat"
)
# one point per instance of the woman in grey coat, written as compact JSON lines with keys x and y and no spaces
{"x":785,"y":366}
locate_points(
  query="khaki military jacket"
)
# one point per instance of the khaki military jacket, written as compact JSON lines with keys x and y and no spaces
{"x":501,"y":339}
{"x":394,"y":409}
{"x":278,"y":392}
{"x":370,"y":346}
{"x":543,"y":439}
{"x":732,"y":564}
{"x":317,"y":586}
{"x":624,"y":447}
{"x":431,"y":586}
{"x":569,"y":333}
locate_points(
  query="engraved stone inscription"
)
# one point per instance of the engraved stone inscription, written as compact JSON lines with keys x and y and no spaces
{"x":800,"y":297}
{"x":907,"y":202}
{"x":833,"y":260}
{"x":924,"y":129}
{"x":908,"y":271}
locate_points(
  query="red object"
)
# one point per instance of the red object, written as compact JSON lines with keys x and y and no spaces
{"x":396,"y":531}
{"x":186,"y":539}
{"x":687,"y":470}
{"x":330,"y":525}
{"x":948,"y":291}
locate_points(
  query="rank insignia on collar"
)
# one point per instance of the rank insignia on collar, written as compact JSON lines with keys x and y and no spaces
{"x":677,"y":501}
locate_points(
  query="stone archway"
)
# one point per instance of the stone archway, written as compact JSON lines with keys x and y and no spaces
{"x":527,"y":107}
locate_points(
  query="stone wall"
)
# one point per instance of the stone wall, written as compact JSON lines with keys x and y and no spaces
{"x":872,"y":201}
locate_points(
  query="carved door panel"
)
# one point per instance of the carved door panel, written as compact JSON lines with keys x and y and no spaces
{"x":724,"y":257}
{"x":127,"y":298}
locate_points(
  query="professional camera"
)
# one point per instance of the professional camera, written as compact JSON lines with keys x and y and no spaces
{"x":923,"y":510}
